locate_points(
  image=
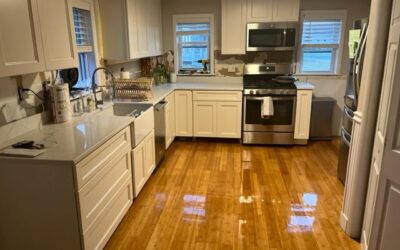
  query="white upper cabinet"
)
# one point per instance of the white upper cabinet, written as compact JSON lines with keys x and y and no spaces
{"x":21,"y":49}
{"x":131,"y":28}
{"x":35,"y":36}
{"x":273,"y":10}
{"x":234,"y":18}
{"x":260,"y":10}
{"x":58,"y":35}
{"x":286,"y":10}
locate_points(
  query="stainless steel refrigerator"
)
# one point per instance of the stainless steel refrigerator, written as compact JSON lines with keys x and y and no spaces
{"x":352,"y":91}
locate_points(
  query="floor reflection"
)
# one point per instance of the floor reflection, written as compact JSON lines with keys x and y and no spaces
{"x":194,"y":208}
{"x":303,"y":223}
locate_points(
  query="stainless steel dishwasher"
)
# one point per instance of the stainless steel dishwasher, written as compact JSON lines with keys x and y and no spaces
{"x":159,"y":130}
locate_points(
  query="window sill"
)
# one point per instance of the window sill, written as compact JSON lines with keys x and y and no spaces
{"x":319,"y":74}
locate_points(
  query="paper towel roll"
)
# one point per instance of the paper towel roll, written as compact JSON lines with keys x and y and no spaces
{"x":61,"y":103}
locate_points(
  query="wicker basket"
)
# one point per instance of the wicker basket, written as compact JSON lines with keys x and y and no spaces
{"x":137,"y":89}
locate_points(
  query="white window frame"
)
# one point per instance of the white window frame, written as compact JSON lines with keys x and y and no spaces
{"x":194,"y":18}
{"x":89,"y":6}
{"x":337,"y":57}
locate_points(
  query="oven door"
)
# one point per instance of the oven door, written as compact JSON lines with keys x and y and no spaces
{"x":282,"y":121}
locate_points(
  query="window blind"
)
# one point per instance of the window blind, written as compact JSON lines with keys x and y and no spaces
{"x":83,"y":27}
{"x":321,"y":32}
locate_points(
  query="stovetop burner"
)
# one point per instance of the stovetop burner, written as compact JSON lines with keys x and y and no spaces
{"x":259,"y":79}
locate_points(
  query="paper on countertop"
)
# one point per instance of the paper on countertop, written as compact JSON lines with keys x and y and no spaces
{"x":22,"y":152}
{"x":354,"y":40}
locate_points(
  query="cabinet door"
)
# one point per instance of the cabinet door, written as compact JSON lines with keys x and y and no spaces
{"x":233,"y":31}
{"x":21,"y":49}
{"x":142,"y":26}
{"x":170,"y":120}
{"x":138,"y":155}
{"x":154,"y":26}
{"x":205,"y":118}
{"x":183,"y":113}
{"x":149,"y":157}
{"x":58,"y":34}
{"x":260,"y":10}
{"x":303,"y":114}
{"x":286,"y":10}
{"x":229,"y":119}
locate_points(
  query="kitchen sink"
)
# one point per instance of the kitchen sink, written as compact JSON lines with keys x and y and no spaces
{"x":144,"y":119}
{"x":130,"y":109}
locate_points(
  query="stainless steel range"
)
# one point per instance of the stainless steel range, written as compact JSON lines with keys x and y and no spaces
{"x":269,"y":105}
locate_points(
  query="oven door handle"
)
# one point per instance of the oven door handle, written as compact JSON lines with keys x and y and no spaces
{"x":273,"y":98}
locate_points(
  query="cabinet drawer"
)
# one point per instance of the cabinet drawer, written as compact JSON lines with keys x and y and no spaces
{"x":88,"y":167}
{"x":104,"y":226}
{"x":223,"y":96}
{"x":95,"y":195}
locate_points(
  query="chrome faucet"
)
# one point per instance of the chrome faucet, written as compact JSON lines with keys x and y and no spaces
{"x":106,"y":71}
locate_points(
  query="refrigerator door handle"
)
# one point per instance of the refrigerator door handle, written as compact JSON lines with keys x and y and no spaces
{"x":360,"y":63}
{"x":357,"y":58}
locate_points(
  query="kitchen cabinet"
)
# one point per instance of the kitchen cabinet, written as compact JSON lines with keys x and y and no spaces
{"x":273,"y":10}
{"x":21,"y":43}
{"x":233,"y":31}
{"x":183,"y":113}
{"x":217,"y":114}
{"x":35,"y":36}
{"x":75,"y":205}
{"x":204,"y":118}
{"x":131,"y":28}
{"x":169,"y":120}
{"x":229,"y":119}
{"x":58,"y":34}
{"x":303,"y":114}
{"x":143,"y":162}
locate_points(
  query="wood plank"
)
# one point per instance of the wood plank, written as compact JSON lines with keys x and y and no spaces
{"x":221,"y":195}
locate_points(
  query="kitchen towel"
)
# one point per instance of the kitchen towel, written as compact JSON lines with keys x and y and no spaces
{"x":267,"y":107}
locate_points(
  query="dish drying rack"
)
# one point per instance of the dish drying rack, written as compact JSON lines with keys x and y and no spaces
{"x":137,"y":89}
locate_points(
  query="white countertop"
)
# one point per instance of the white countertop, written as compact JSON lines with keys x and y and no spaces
{"x":304,"y":86}
{"x":73,"y":141}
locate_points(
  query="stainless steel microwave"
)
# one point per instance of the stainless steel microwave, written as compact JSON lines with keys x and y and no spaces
{"x":271,"y":36}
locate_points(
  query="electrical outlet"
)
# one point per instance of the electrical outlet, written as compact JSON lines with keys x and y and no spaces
{"x":231,"y":69}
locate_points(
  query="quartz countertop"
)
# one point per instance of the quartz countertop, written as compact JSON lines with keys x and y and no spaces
{"x":304,"y":86}
{"x":73,"y":141}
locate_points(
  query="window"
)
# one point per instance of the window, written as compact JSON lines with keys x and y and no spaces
{"x":85,"y":44}
{"x":193,"y":43}
{"x":321,"y":41}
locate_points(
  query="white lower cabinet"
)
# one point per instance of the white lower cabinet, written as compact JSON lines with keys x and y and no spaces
{"x":106,"y":195}
{"x":204,"y":118}
{"x":143,"y":162}
{"x":169,"y":120}
{"x":229,"y":119}
{"x":217,"y":114}
{"x":183,"y":113}
{"x":303,"y":114}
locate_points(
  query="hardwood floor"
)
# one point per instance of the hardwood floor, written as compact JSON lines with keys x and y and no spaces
{"x":211,"y":195}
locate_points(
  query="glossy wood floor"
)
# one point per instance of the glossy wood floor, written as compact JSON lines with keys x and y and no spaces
{"x":209,"y":195}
